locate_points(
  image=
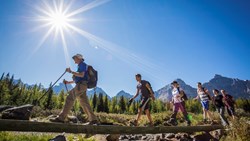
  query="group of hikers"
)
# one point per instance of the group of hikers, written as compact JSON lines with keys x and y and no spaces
{"x":221,"y":101}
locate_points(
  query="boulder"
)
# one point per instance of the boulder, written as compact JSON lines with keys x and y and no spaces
{"x":5,"y":107}
{"x":170,"y":135}
{"x":112,"y":137}
{"x":204,"y":137}
{"x":59,"y":138}
{"x":18,"y":113}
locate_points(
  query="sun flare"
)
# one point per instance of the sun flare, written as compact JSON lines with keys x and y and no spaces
{"x":58,"y":20}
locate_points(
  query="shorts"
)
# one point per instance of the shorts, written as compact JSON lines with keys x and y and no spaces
{"x":230,"y":111}
{"x":205,"y":105}
{"x":144,"y":104}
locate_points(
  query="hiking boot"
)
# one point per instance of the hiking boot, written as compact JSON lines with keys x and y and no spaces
{"x":172,"y":122}
{"x":134,"y":123}
{"x":56,"y":119}
{"x":93,"y":122}
{"x":204,"y":121}
{"x":188,"y":123}
{"x":213,"y":122}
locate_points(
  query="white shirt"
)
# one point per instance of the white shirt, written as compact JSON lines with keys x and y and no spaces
{"x":176,"y":95}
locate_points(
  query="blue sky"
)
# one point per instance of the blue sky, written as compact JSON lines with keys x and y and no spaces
{"x":163,"y":40}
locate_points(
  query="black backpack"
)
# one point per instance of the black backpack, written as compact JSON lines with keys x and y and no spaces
{"x":184,"y":97}
{"x":92,"y":77}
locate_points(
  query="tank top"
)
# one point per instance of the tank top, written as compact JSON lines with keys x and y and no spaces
{"x":203,"y":96}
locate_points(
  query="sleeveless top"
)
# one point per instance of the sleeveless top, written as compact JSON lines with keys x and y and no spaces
{"x":203,"y":96}
{"x":176,"y":95}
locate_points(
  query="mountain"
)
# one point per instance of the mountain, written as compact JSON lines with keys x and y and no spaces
{"x":58,"y":88}
{"x":124,"y":94}
{"x":235,"y":87}
{"x":165,"y":93}
{"x":97,"y":90}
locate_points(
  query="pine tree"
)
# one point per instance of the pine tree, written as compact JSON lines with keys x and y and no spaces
{"x":49,"y":99}
{"x":61,"y":99}
{"x":122,"y":105}
{"x":100,"y":105}
{"x":106,"y":104}
{"x":113,"y":105}
{"x":94,"y":101}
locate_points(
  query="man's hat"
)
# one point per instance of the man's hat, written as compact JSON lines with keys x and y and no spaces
{"x":79,"y":56}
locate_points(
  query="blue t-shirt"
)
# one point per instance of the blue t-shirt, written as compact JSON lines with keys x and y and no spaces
{"x":82,"y":67}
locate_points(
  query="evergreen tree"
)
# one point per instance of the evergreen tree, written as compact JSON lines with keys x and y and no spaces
{"x":122,"y":105}
{"x":94,"y":101}
{"x":106,"y":104}
{"x":100,"y":105}
{"x":61,"y":99}
{"x":49,"y":99}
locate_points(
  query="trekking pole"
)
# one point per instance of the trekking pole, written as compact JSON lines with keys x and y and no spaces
{"x":77,"y":121}
{"x":49,"y":89}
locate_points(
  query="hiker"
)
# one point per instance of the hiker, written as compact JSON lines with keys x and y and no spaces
{"x":144,"y":88}
{"x":229,"y":103}
{"x":204,"y":96}
{"x":178,"y":104}
{"x":79,"y":91}
{"x":220,"y":107}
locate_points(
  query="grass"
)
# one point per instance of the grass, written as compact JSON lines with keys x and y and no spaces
{"x":240,"y":129}
{"x":23,"y":136}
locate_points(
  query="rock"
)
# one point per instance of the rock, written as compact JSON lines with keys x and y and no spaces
{"x":157,"y":137}
{"x":170,"y":135}
{"x":123,"y":137}
{"x":178,"y":136}
{"x":19,"y":113}
{"x":217,"y":133}
{"x":5,"y":107}
{"x":58,"y":138}
{"x":138,"y":137}
{"x":113,"y":137}
{"x":204,"y":137}
{"x":73,"y":119}
{"x":144,"y":138}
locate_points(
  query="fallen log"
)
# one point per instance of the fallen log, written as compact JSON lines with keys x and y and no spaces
{"x":28,"y":126}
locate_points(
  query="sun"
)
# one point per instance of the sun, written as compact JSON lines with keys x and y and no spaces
{"x":59,"y":20}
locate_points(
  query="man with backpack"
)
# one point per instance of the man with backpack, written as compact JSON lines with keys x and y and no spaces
{"x":80,"y":78}
{"x":144,"y":88}
{"x":178,"y":101}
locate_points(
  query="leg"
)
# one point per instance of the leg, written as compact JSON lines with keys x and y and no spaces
{"x":175,"y":111}
{"x":204,"y":114}
{"x":184,"y":112}
{"x":138,"y":116}
{"x":84,"y":102}
{"x":149,"y":116}
{"x":209,"y":115}
{"x":222,"y":116}
{"x":68,"y":105}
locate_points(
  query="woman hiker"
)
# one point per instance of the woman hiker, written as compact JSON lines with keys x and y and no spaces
{"x":204,"y":96}
{"x":178,"y":104}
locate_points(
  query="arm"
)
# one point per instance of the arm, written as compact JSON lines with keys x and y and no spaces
{"x":137,"y":93}
{"x":207,"y":92}
{"x":78,"y":74}
{"x":68,"y":82}
{"x":151,"y":91}
{"x":197,"y":97}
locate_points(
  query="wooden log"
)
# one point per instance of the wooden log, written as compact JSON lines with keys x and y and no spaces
{"x":28,"y":126}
